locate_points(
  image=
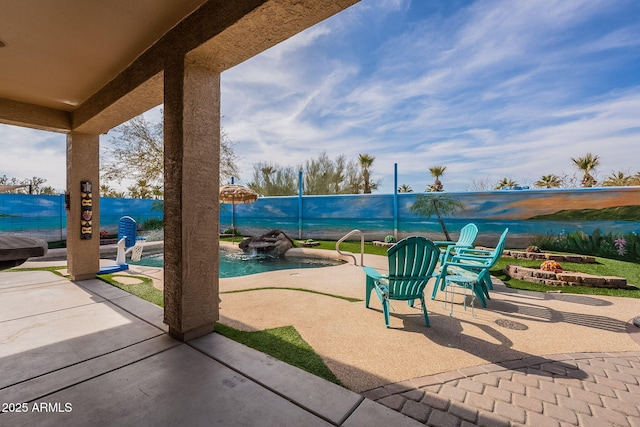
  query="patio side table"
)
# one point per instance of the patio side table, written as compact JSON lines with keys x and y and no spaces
{"x":463,"y":282}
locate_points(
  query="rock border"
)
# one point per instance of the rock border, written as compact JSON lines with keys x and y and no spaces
{"x":566,"y":278}
{"x":580,"y":259}
{"x":383,"y":244}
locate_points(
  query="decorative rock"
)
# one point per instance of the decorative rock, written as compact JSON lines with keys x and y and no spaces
{"x":581,"y":259}
{"x":566,"y":278}
{"x":308,"y":244}
{"x":274,"y":243}
{"x":595,"y":281}
{"x":616,"y":282}
{"x":548,"y":275}
{"x":383,"y":244}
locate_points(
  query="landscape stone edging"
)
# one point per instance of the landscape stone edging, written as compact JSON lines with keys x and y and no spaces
{"x":566,"y":278}
{"x":383,"y":244}
{"x":581,"y":259}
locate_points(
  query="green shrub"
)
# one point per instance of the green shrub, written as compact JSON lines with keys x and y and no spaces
{"x":230,"y":230}
{"x":390,"y":239}
{"x":613,"y":246}
{"x":153,"y":224}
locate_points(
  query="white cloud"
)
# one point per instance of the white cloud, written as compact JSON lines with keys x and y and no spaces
{"x":28,"y":153}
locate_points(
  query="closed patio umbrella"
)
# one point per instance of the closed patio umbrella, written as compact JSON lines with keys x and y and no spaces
{"x":235,"y":194}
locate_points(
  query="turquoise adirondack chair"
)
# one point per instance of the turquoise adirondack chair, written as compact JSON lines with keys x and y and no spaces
{"x":474,"y":264}
{"x":466,"y":238}
{"x":411,"y":264}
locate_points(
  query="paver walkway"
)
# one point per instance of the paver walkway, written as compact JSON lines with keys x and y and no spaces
{"x":583,"y":389}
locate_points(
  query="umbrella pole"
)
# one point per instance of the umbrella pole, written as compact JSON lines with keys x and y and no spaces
{"x":233,"y":225}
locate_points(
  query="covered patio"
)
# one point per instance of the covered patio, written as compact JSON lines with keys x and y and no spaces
{"x":85,"y":353}
{"x":84,"y":69}
{"x":77,"y":351}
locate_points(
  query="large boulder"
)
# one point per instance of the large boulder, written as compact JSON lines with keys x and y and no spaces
{"x":274,"y":243}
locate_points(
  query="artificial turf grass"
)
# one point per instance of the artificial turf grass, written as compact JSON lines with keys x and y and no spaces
{"x":144,"y":290}
{"x":602,"y":267}
{"x":353,"y":247}
{"x":347,"y":246}
{"x":54,"y":270}
{"x":285,"y":344}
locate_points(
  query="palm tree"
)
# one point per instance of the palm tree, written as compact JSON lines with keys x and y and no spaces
{"x":157,"y":191}
{"x":548,"y":181}
{"x":404,"y":188}
{"x":436,"y":204}
{"x":635,"y":179}
{"x":140,"y":190}
{"x":586,"y":164}
{"x":618,"y":179}
{"x":105,"y":190}
{"x":365,"y":163}
{"x":505,"y":183}
{"x":267,"y":173}
{"x":437,"y":172}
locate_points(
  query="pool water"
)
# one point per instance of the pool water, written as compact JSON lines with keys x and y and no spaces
{"x":234,"y":264}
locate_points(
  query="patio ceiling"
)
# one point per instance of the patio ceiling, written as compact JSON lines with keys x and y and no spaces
{"x":90,"y":65}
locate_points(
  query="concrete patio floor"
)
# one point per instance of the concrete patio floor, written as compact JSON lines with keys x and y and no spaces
{"x":106,"y":353}
{"x":87,"y":353}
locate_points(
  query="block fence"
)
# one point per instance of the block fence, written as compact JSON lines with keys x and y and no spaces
{"x":525,"y":212}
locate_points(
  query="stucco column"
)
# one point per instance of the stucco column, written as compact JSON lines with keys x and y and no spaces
{"x":83,"y":234}
{"x":191,"y":208}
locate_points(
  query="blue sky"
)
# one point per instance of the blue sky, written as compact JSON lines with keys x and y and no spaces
{"x":491,"y":89}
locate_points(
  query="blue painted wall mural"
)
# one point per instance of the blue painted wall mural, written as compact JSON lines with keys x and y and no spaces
{"x":526,"y":212}
{"x":45,"y":217}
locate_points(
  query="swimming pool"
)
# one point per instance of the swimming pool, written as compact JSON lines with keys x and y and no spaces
{"x":234,"y":264}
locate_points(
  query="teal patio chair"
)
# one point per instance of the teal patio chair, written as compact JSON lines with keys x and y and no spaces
{"x":475,"y":264}
{"x":466,"y":238}
{"x":411,"y":264}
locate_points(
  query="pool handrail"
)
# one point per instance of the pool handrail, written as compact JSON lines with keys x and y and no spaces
{"x":346,"y":236}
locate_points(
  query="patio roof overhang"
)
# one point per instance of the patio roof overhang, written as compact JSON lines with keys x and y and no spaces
{"x":84,"y":67}
{"x":89,"y":66}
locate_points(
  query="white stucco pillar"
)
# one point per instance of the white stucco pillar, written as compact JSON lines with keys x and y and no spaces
{"x":191,"y":208}
{"x":83,"y":214}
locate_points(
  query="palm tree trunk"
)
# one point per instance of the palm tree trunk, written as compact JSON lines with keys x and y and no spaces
{"x":367,"y":187}
{"x":444,"y":228}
